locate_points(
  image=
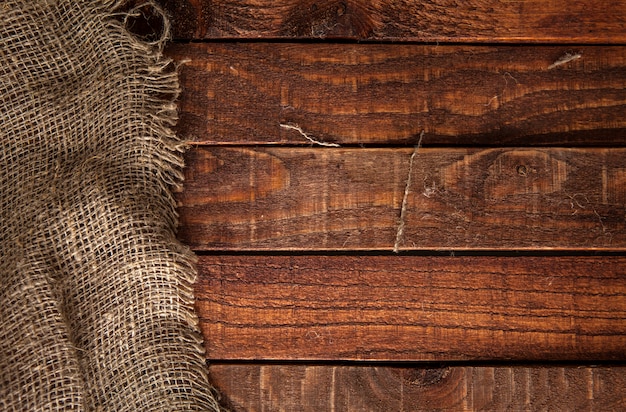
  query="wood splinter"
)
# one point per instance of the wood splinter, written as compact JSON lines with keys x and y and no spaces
{"x":407,"y":188}
{"x":306,"y":136}
{"x":566,"y":58}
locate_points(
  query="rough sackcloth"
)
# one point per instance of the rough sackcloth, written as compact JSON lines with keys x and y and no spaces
{"x":96,"y":302}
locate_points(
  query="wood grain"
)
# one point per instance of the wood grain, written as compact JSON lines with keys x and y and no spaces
{"x":560,"y":21}
{"x":350,"y":199}
{"x":388,"y":94}
{"x":412,"y":308}
{"x":302,"y":388}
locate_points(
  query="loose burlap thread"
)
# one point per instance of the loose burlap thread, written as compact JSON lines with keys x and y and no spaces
{"x":96,"y":299}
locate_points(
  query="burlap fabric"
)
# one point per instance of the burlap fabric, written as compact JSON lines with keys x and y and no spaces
{"x":95,"y":291}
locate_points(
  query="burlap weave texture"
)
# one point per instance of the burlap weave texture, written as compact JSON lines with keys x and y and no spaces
{"x":95,"y":291}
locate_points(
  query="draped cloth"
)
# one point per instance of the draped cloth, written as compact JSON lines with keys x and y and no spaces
{"x":96,"y":298}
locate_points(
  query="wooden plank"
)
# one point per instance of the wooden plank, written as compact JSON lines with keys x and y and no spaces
{"x":388,"y":94}
{"x":302,"y":388}
{"x":351,"y":199}
{"x":561,"y":21}
{"x":412,"y":308}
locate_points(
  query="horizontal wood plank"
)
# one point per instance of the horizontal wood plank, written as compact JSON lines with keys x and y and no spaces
{"x":259,"y":93}
{"x":562,"y":21}
{"x":412,"y":308}
{"x":351,"y":199}
{"x":303,"y":388}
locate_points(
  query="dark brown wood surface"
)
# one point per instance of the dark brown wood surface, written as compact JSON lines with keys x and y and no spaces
{"x":413,"y":307}
{"x":351,"y":199}
{"x":303,"y":388}
{"x":520,"y":188}
{"x":560,"y":21}
{"x":388,"y":94}
{"x":257,"y":93}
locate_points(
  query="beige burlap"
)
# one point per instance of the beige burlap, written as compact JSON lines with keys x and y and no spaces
{"x":96,"y":303}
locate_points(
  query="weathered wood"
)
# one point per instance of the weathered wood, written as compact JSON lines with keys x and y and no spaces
{"x":351,"y":199}
{"x":561,"y":21}
{"x":412,"y":308}
{"x":388,"y":94}
{"x":300,"y":388}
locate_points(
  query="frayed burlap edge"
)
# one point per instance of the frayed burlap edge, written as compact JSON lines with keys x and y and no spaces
{"x":166,"y":113}
{"x":158,"y":111}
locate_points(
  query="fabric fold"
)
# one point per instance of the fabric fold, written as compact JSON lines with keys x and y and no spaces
{"x":96,"y":297}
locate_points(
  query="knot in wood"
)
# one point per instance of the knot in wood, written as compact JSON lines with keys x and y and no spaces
{"x":322,"y":19}
{"x":422,"y":377}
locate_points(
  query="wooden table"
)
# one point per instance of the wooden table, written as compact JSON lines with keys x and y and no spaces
{"x":407,"y":205}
